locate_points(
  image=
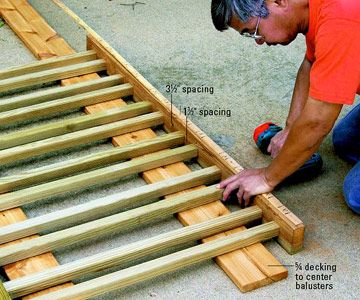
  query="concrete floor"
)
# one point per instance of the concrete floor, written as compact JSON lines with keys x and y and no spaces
{"x":170,"y":42}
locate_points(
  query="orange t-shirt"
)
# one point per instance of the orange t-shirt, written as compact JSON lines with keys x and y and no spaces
{"x":333,"y":46}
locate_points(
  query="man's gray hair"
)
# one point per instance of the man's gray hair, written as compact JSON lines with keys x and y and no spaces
{"x":223,"y":10}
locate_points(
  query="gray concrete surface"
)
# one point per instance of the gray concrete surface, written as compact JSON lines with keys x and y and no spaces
{"x":174,"y":42}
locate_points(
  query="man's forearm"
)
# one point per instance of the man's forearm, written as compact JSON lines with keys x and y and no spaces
{"x":305,"y":136}
{"x":301,"y":92}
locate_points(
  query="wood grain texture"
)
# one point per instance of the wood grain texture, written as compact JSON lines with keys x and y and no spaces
{"x":247,"y":272}
{"x":87,"y":162}
{"x":98,"y":176}
{"x":292,"y":233}
{"x":64,"y":104}
{"x":47,"y":64}
{"x":58,"y":93}
{"x":170,"y":170}
{"x":62,"y":127}
{"x":28,"y":80}
{"x":79,"y":137}
{"x":166,"y":264}
{"x":122,"y":221}
{"x":33,"y":30}
{"x":107,"y":205}
{"x":44,"y":43}
{"x":118,"y":256}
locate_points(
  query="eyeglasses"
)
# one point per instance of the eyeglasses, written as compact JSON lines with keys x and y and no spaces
{"x":254,"y":35}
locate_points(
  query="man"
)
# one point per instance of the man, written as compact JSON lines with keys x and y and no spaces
{"x":328,"y":78}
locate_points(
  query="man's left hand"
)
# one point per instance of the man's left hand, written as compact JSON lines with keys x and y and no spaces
{"x":248,"y":183}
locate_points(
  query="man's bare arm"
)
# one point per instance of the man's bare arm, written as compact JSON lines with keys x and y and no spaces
{"x":299,"y":98}
{"x":305,"y":136}
{"x":301,"y":92}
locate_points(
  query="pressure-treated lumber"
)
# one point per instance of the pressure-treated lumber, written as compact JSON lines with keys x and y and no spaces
{"x":44,"y":42}
{"x":291,"y":235}
{"x":64,"y":104}
{"x":73,"y":166}
{"x":79,"y":137}
{"x":46,"y":76}
{"x":102,"y":175}
{"x":58,"y":92}
{"x":124,"y":221}
{"x":107,"y":205}
{"x":118,"y":256}
{"x":165,"y":264}
{"x":257,"y":278}
{"x":51,"y":63}
{"x":61,"y":127}
{"x":247,"y":272}
{"x":4,"y":295}
{"x":248,"y":268}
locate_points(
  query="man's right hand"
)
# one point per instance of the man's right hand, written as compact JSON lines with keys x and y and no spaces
{"x":277,"y":142}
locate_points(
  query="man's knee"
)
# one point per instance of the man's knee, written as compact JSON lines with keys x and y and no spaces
{"x":343,"y":145}
{"x":352,"y":189}
{"x":338,"y":139}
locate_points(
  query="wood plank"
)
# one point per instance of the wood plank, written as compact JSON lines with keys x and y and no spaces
{"x":5,"y":5}
{"x":64,"y":104}
{"x":258,"y":278}
{"x":79,"y":137}
{"x":53,"y":40}
{"x":101,"y":175}
{"x":47,"y":64}
{"x":33,"y":30}
{"x":58,"y":93}
{"x":165,"y":264}
{"x":136,"y":250}
{"x":42,"y":49}
{"x":76,"y":165}
{"x":107,"y":205}
{"x":28,"y":80}
{"x":27,"y":34}
{"x":62,"y":127}
{"x":292,"y":229}
{"x":121,"y":221}
{"x":246,"y":272}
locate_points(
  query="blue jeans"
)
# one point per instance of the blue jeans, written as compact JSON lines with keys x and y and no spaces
{"x":346,"y":139}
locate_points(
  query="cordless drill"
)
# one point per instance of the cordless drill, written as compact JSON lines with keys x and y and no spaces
{"x":262,"y":137}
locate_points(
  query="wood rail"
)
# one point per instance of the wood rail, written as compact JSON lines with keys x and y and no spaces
{"x":58,"y":93}
{"x":118,"y":256}
{"x":166,"y":263}
{"x":107,"y":205}
{"x":101,"y":175}
{"x":28,"y":80}
{"x":79,"y":137}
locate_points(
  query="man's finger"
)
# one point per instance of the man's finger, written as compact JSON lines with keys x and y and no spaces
{"x":227,"y":181}
{"x":239,"y":196}
{"x":229,"y":188}
{"x":246,"y":197}
{"x":269,"y":148}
